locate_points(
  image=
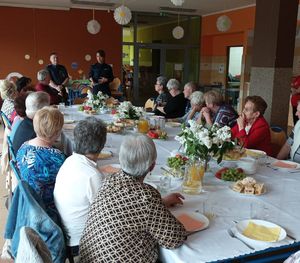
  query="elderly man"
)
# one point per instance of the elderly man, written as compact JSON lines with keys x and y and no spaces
{"x":128,"y":219}
{"x":25,"y":131}
{"x":188,"y":89}
{"x":80,"y":173}
{"x":101,"y":74}
{"x":175,"y":107}
{"x":59,"y":75}
{"x":43,"y":77}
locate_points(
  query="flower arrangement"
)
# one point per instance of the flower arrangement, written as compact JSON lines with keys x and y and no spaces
{"x":127,"y":111}
{"x":95,"y":102}
{"x":201,"y":142}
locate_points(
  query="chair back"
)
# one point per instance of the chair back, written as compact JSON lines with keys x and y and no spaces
{"x":5,"y":120}
{"x":149,"y":104}
{"x":78,"y":101}
{"x":32,"y":248}
{"x":11,"y":151}
{"x":278,"y":139}
{"x":114,"y":85}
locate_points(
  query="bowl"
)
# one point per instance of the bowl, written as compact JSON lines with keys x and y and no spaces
{"x":249,"y":165}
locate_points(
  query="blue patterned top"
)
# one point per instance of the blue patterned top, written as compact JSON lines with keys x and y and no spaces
{"x":39,"y":167}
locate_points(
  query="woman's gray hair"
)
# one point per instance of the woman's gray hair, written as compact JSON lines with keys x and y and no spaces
{"x":137,"y":154}
{"x":162,"y":80}
{"x":197,"y":98}
{"x":89,"y":136}
{"x":7,"y":89}
{"x":42,"y":74}
{"x":35,"y":101}
{"x":173,"y":84}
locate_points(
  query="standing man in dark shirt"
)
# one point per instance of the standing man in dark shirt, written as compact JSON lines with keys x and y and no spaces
{"x":101,"y":74}
{"x":59,"y":76}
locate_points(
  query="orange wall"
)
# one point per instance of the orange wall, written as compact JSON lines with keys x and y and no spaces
{"x":214,"y":43}
{"x":38,"y":32}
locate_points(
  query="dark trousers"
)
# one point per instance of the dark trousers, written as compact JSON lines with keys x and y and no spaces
{"x":295,"y":118}
{"x":103,"y":88}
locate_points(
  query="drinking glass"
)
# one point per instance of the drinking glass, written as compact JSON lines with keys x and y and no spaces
{"x":164,"y":184}
{"x":143,"y":126}
{"x":193,"y":177}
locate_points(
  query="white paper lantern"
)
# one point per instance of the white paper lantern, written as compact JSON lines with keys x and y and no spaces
{"x":93,"y":26}
{"x":177,"y":2}
{"x":223,"y":23}
{"x":122,"y":15}
{"x":178,"y":32}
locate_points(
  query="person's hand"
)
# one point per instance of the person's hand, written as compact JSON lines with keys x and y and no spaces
{"x":173,"y":199}
{"x":206,"y":114}
{"x":241,"y":121}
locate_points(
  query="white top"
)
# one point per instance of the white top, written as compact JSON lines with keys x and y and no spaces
{"x":77,"y":183}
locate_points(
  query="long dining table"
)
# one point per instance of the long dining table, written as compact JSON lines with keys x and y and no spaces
{"x":222,"y":206}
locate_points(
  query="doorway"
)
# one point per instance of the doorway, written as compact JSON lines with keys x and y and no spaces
{"x":233,"y":76}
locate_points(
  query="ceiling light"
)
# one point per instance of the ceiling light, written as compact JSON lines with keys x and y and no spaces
{"x":177,"y":2}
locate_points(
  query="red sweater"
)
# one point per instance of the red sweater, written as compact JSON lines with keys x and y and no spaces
{"x":259,"y":136}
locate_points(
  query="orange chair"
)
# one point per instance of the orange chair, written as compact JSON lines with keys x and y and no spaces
{"x":278,"y":139}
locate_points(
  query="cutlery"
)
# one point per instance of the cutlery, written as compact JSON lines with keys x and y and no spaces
{"x":233,"y":236}
{"x":273,"y":168}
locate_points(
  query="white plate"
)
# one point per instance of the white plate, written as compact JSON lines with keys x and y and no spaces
{"x":262,"y":193}
{"x":255,"y":153}
{"x":105,"y":154}
{"x":297,"y":165}
{"x":241,"y":226}
{"x":173,"y":124}
{"x":196,"y":216}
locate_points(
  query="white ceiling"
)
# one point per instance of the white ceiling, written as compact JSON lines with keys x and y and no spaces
{"x":201,"y":7}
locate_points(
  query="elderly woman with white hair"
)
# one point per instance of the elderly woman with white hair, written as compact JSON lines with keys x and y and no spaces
{"x":37,"y":160}
{"x":8,"y":91}
{"x":25,"y":131}
{"x":175,"y":107}
{"x":80,"y":172}
{"x":128,"y":218}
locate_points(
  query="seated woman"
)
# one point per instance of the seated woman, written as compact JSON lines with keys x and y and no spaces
{"x":8,"y":91}
{"x":175,"y":107}
{"x":81,"y":174}
{"x":37,"y":160}
{"x":163,"y":93}
{"x":197,"y":102}
{"x":251,"y":128}
{"x":128,"y":219}
{"x":216,"y":111}
{"x":292,"y":146}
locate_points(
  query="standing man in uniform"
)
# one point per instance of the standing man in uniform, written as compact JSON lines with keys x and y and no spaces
{"x":59,"y":76}
{"x":101,"y":74}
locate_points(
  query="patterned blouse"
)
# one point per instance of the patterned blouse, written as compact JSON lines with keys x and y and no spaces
{"x":39,"y":167}
{"x":8,"y":108}
{"x":126,"y":223}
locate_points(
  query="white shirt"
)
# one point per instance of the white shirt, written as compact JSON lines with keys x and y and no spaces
{"x":77,"y":183}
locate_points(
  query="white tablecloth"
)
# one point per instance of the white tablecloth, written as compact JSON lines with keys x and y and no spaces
{"x":281,"y":201}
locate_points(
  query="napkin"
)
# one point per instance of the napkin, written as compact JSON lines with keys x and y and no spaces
{"x":262,"y":233}
{"x":190,"y":224}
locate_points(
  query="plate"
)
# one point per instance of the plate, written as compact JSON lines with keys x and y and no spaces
{"x":110,"y":169}
{"x":255,"y":153}
{"x":105,"y":154}
{"x":242,"y":225}
{"x":285,"y":165}
{"x":173,"y":124}
{"x":69,"y":121}
{"x":244,"y":194}
{"x":192,"y":221}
